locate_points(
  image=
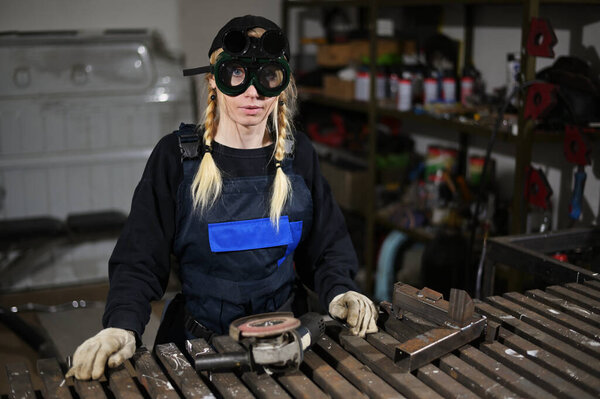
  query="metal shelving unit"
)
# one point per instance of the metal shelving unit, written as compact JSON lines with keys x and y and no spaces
{"x":523,"y":141}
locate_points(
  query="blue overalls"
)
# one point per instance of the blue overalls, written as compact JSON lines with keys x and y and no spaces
{"x":233,"y":261}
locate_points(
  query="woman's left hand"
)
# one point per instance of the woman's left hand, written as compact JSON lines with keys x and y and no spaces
{"x":358,"y":311}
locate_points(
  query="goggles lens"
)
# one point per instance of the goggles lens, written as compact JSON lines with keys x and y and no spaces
{"x":273,"y":42}
{"x":234,"y":76}
{"x":235,"y":42}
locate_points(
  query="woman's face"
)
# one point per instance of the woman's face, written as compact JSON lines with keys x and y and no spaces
{"x":247,"y":109}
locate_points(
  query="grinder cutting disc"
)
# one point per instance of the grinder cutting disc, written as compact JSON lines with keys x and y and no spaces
{"x":263,"y":325}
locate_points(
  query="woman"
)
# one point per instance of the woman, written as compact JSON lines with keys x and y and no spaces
{"x":241,"y":203}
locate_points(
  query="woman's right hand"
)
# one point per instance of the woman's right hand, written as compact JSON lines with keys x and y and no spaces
{"x":114,"y":344}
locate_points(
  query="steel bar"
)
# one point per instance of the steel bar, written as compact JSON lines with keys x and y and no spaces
{"x":434,"y":343}
{"x":121,"y":384}
{"x":411,"y":299}
{"x":384,"y":342}
{"x":565,"y":306}
{"x":443,"y":383}
{"x":405,"y":383}
{"x":502,"y":373}
{"x":547,"y":325}
{"x":400,"y":329}
{"x":88,"y":389}
{"x":510,"y":251}
{"x":473,"y":379}
{"x":429,"y":374}
{"x":550,"y":361}
{"x":546,"y":341}
{"x":227,"y":383}
{"x":584,"y":290}
{"x":300,"y":386}
{"x":19,"y":381}
{"x":353,"y":370}
{"x":593,"y":283}
{"x":550,"y":242}
{"x":151,"y":376}
{"x":534,"y":372}
{"x":53,"y":379}
{"x":261,"y":384}
{"x":181,"y":372}
{"x":328,"y":378}
{"x":575,"y":297}
{"x":554,"y":314}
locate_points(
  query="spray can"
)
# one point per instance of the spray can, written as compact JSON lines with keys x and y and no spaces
{"x":513,"y":69}
{"x":449,"y":90}
{"x":430,"y":89}
{"x":466,"y":89}
{"x":404,"y":94}
{"x":361,"y":86}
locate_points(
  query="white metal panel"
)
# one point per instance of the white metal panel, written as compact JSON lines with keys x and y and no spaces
{"x":70,"y":145}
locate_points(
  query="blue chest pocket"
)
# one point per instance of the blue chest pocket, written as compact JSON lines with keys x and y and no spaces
{"x":249,"y":234}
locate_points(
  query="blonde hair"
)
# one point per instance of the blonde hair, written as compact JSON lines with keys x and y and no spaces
{"x":208,"y":182}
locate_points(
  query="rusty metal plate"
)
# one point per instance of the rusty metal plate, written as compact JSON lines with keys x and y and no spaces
{"x":544,"y":340}
{"x":502,"y":373}
{"x":549,"y":326}
{"x":181,"y":372}
{"x":532,"y":371}
{"x":325,"y":376}
{"x":565,"y":306}
{"x":151,"y":376}
{"x":121,"y":383}
{"x":19,"y":381}
{"x":554,"y":314}
{"x":53,"y":378}
{"x":550,"y":361}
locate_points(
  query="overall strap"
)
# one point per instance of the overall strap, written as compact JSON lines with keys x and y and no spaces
{"x":189,"y":141}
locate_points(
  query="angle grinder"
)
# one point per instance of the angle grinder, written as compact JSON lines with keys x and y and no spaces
{"x":275,"y":341}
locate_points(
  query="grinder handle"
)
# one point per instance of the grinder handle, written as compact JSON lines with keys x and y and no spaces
{"x":312,"y":326}
{"x":223,"y":361}
{"x":577,"y":198}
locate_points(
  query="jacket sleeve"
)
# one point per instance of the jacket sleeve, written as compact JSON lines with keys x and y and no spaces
{"x":326,"y":261}
{"x":140,"y":263}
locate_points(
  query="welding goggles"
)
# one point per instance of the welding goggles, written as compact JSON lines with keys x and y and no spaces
{"x":249,"y":61}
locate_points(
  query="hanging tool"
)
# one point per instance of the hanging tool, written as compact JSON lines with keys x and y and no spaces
{"x":541,"y":38}
{"x":577,"y":151}
{"x":275,"y":341}
{"x":446,"y":325}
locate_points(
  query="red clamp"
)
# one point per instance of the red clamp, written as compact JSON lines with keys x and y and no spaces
{"x":537,"y":189}
{"x":541,"y":38}
{"x":576,"y":147}
{"x":541,"y":98}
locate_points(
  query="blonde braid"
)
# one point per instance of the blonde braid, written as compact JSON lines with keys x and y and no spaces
{"x":282,"y":188}
{"x":207,"y":183}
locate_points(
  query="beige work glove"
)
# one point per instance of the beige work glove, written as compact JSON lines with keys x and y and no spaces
{"x":114,"y":344}
{"x":358,"y":311}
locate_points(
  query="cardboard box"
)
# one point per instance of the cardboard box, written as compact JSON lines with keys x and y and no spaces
{"x":347,"y":185}
{"x":342,"y":54}
{"x":337,"y":88}
{"x":335,"y":55}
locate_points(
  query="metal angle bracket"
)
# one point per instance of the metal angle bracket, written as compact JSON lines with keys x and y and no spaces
{"x":455,"y":324}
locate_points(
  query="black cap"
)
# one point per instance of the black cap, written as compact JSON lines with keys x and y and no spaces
{"x":245,"y":23}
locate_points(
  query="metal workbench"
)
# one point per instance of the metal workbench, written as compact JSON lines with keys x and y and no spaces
{"x":540,"y":344}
